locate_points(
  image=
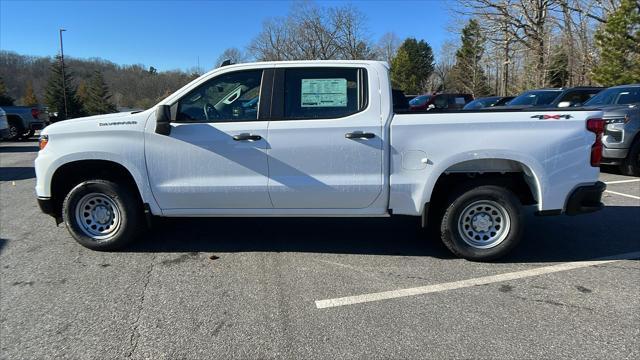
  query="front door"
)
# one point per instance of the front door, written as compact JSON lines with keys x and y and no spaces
{"x":215,"y":156}
{"x":325,"y":147}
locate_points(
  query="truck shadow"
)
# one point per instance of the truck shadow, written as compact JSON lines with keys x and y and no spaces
{"x":17,"y":173}
{"x":18,"y":149}
{"x":547,"y":239}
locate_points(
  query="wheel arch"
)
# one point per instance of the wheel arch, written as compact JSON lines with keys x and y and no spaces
{"x":72,"y":172}
{"x":518,"y":172}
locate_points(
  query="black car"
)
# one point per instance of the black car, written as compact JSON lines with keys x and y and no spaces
{"x":486,"y":102}
{"x":557,"y":97}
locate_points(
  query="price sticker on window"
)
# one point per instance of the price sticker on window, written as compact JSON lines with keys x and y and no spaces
{"x":323,"y":93}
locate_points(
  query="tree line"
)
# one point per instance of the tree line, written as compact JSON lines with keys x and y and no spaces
{"x":504,"y":47}
{"x":93,"y":85}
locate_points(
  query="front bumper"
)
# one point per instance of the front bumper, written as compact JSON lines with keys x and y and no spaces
{"x":4,"y":133}
{"x":46,"y":205}
{"x":611,"y":156}
{"x":585,"y":199}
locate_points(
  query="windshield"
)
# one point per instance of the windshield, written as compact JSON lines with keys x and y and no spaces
{"x":616,"y":96}
{"x":536,"y":97}
{"x":481,"y":103}
{"x":419,"y":100}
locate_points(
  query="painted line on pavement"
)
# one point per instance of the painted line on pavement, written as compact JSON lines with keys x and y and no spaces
{"x":621,"y":181}
{"x":385,"y":295}
{"x":621,"y":194}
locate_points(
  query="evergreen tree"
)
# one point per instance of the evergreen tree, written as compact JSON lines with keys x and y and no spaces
{"x":29,"y":98}
{"x":619,"y":44}
{"x":467,"y":74}
{"x":54,"y":96}
{"x":5,"y":99}
{"x":558,"y":75}
{"x":98,"y":97}
{"x":412,"y":66}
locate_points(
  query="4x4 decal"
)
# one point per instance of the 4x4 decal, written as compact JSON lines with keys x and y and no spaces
{"x":552,"y":117}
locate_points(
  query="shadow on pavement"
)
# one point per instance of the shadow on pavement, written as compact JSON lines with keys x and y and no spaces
{"x":17,"y":173}
{"x":547,"y":239}
{"x":18,"y":149}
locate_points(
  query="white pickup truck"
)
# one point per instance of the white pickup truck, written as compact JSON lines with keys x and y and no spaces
{"x":317,"y":138}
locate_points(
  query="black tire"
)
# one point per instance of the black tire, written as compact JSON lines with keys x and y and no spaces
{"x":115,"y":199}
{"x":459,"y":215}
{"x":631,"y":164}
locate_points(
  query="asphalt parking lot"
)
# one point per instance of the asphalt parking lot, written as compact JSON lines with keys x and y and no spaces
{"x":314,"y":288}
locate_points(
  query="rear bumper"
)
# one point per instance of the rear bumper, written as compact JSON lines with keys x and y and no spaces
{"x":585,"y":199}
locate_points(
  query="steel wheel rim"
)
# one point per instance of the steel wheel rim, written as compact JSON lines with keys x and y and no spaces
{"x":13,"y":132}
{"x":484,"y":224}
{"x":98,"y":216}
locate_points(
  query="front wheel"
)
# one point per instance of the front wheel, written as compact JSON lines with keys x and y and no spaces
{"x":482,"y":223}
{"x":631,"y":164}
{"x":102,"y":215}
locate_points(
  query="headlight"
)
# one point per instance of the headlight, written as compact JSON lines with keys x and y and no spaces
{"x":620,"y":120}
{"x":43,"y":141}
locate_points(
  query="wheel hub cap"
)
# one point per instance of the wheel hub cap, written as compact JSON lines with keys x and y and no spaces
{"x":98,"y":216}
{"x":484,"y":224}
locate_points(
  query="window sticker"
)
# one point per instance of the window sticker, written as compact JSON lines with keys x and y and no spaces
{"x":323,"y":93}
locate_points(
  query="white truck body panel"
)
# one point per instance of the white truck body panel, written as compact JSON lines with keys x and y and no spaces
{"x":309,"y":168}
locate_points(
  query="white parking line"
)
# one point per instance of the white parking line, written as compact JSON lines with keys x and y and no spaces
{"x":385,"y":295}
{"x":621,"y":194}
{"x":621,"y":181}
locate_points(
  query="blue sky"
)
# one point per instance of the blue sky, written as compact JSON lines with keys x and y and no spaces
{"x":173,"y":34}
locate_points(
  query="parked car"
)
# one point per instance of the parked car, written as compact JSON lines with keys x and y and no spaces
{"x":439,"y":102}
{"x":25,"y":120}
{"x":621,"y":140}
{"x":486,"y":102}
{"x":325,"y":142}
{"x":4,"y":125}
{"x":557,"y":97}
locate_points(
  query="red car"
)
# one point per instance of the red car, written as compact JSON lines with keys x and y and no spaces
{"x":439,"y":101}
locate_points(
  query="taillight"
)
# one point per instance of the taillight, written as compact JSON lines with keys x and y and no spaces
{"x":44,"y":140}
{"x":35,"y":112}
{"x":596,"y":126}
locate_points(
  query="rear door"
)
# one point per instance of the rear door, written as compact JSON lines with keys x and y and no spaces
{"x":325,"y":146}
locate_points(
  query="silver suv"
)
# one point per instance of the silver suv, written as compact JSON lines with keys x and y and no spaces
{"x":621,"y":140}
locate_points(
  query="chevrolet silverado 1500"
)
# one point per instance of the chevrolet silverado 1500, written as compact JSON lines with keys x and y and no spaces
{"x":317,"y":138}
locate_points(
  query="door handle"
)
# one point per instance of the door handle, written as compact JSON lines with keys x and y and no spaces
{"x":246,"y":137}
{"x":359,"y":135}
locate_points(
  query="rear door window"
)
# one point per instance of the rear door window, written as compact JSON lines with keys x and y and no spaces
{"x":323,"y":93}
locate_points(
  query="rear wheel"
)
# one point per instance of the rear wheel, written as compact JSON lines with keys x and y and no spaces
{"x":102,"y":215}
{"x":631,"y":164}
{"x":482,"y":223}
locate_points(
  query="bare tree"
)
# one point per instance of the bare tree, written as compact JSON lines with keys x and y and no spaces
{"x":235,"y":55}
{"x":388,"y":46}
{"x":310,"y":32}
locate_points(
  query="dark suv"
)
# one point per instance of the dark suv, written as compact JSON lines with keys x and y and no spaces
{"x":439,"y":102}
{"x":557,"y":97}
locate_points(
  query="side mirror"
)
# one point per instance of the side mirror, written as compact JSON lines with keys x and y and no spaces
{"x":163,"y":120}
{"x":564,"y":104}
{"x":431,"y":107}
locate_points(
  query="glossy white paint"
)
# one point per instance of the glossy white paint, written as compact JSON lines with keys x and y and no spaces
{"x":308,"y":167}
